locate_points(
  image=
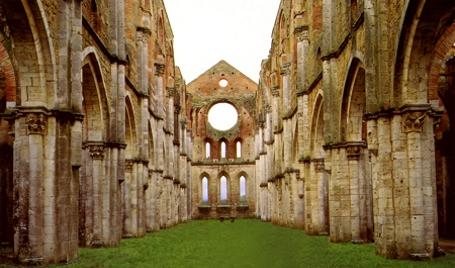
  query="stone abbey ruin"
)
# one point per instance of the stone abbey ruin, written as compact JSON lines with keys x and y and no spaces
{"x":346,"y":134}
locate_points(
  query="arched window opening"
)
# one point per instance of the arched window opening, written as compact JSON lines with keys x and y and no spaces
{"x":223,"y":190}
{"x":205,"y":190}
{"x":238,"y":147}
{"x":223,"y":149}
{"x":207,"y":150}
{"x":242,"y":189}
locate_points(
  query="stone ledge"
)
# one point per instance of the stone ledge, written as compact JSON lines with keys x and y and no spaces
{"x":345,"y":145}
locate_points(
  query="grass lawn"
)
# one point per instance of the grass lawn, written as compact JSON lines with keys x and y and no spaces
{"x":244,"y":243}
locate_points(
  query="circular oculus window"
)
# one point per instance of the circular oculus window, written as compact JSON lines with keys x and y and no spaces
{"x":223,"y":83}
{"x":223,"y":116}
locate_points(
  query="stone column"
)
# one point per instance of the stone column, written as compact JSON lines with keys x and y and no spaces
{"x":358,"y":194}
{"x":128,"y":199}
{"x":303,"y":43}
{"x":421,"y":185}
{"x":318,"y":186}
{"x":149,"y":203}
{"x":286,"y":86}
{"x":100,"y":194}
{"x":159,"y":86}
{"x":339,"y":195}
{"x":29,"y":152}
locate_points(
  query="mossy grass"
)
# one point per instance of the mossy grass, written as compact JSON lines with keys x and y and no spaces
{"x":242,"y":243}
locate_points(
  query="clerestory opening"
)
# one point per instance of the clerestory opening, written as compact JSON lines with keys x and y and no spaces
{"x":223,"y":116}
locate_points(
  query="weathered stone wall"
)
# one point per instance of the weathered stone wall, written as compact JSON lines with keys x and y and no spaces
{"x":94,"y":136}
{"x":365,"y":165}
{"x":240,"y":92}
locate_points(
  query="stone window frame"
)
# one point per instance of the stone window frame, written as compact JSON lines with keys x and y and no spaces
{"x":227,"y":201}
{"x":238,"y":148}
{"x":223,"y":153}
{"x":201,"y":196}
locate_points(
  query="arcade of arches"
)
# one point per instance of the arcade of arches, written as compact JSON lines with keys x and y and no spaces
{"x":346,"y":134}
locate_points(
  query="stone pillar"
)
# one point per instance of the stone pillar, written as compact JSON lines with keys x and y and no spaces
{"x":421,"y":181}
{"x":159,"y":86}
{"x":128,"y":199}
{"x":383,"y":195}
{"x":286,"y":86}
{"x":359,"y":199}
{"x":149,"y":203}
{"x":29,"y":154}
{"x":99,"y":194}
{"x":317,"y":197}
{"x":287,"y":143}
{"x":303,"y":43}
{"x":339,"y":196}
{"x":45,"y":187}
{"x":299,"y":203}
{"x":402,"y":153}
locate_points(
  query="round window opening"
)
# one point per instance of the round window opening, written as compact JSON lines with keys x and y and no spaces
{"x":223,"y":83}
{"x":223,"y":116}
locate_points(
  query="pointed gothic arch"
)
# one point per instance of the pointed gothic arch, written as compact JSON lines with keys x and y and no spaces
{"x":204,"y":189}
{"x":352,"y":123}
{"x":130,"y":129}
{"x":223,"y":188}
{"x":243,"y":187}
{"x":95,"y":127}
{"x":317,"y":128}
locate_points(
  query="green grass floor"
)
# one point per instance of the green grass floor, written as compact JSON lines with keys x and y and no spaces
{"x":244,"y":243}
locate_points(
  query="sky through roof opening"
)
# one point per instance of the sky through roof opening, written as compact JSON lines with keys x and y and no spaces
{"x":206,"y":31}
{"x":223,"y":116}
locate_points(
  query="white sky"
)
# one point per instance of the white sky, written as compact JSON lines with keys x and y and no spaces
{"x":223,"y":116}
{"x":206,"y":31}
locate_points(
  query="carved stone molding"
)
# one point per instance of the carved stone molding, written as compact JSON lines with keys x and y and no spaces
{"x":413,"y":121}
{"x":276,"y":92}
{"x":129,"y":166}
{"x":170,"y":92}
{"x":159,"y":69}
{"x":301,"y":33}
{"x":285,"y":69}
{"x":96,"y":150}
{"x":319,"y":165}
{"x":353,"y":152}
{"x":36,"y":123}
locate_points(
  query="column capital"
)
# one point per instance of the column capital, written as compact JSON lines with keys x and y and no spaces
{"x":36,"y":123}
{"x":96,"y":150}
{"x":353,"y":152}
{"x":319,"y":165}
{"x":301,"y":33}
{"x":170,"y":92}
{"x":276,"y":91}
{"x":159,"y":69}
{"x":129,"y":165}
{"x":413,"y":121}
{"x":285,"y":69}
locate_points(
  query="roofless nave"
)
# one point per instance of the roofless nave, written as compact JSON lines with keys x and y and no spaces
{"x":347,"y":133}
